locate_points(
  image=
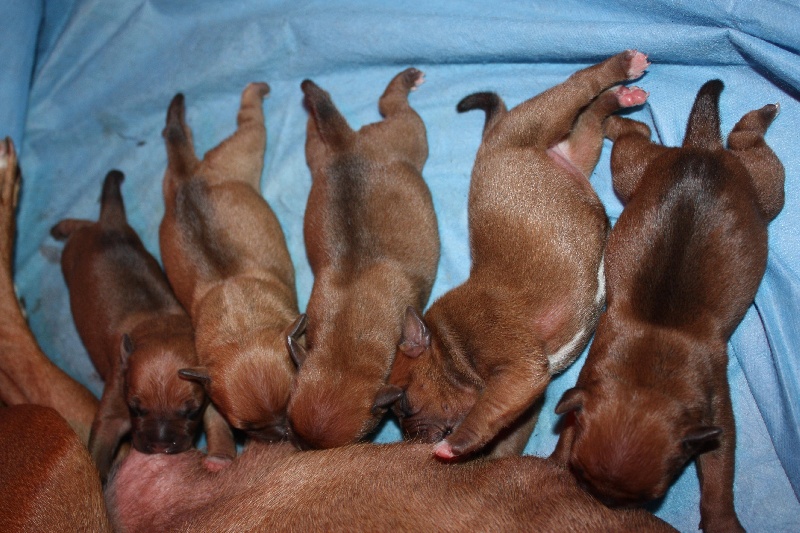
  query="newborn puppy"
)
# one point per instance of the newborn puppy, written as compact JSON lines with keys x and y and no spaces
{"x":135,"y":331}
{"x":473,"y":369}
{"x":26,"y":374}
{"x":226,"y":258}
{"x":683,"y":264}
{"x":362,"y":487}
{"x":372,"y":242}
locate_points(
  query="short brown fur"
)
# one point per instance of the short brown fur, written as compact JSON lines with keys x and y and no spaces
{"x":135,"y":331}
{"x":683,"y":264}
{"x":225,"y":255}
{"x":372,"y":242}
{"x":485,"y":351}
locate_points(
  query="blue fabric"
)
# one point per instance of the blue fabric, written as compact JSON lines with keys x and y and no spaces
{"x":104,"y":73}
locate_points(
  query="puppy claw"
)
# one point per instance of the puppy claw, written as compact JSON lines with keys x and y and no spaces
{"x":637,"y":64}
{"x":631,"y":96}
{"x":215,"y":463}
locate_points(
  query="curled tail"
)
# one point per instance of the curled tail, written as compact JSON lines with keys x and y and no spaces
{"x":112,"y":208}
{"x":491,"y":103}
{"x":703,"y":130}
{"x":181,"y":158}
{"x":331,"y":125}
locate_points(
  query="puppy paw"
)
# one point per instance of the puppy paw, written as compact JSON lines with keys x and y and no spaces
{"x":637,"y":64}
{"x":443,"y":450}
{"x":215,"y":463}
{"x":261,"y":88}
{"x":413,"y":78}
{"x":630,"y":96}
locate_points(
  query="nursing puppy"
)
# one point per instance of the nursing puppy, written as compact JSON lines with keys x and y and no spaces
{"x":26,"y":374}
{"x":683,"y":264}
{"x":226,"y":258}
{"x":47,"y":479}
{"x":362,"y":487}
{"x":473,"y":369}
{"x":137,"y":334}
{"x":373,"y":245}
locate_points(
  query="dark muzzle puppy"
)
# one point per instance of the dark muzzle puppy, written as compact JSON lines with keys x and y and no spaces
{"x":683,"y":264}
{"x":135,"y":331}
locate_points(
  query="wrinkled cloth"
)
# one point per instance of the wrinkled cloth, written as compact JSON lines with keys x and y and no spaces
{"x":86,"y":84}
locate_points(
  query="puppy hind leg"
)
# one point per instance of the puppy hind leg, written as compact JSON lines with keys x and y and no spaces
{"x":583,"y":145}
{"x":546,"y":119}
{"x":746,"y":141}
{"x":631,"y":153}
{"x":240,"y":157}
{"x":395,"y":97}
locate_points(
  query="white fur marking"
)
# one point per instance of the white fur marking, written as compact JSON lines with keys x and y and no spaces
{"x":566,"y":354}
{"x":601,"y":281}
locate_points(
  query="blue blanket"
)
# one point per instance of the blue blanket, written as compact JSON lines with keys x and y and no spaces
{"x":86,"y":84}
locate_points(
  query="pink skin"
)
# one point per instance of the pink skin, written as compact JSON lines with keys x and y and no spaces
{"x":443,"y":450}
{"x":631,"y":96}
{"x":639,"y":64}
{"x":419,"y":81}
{"x":214,"y":463}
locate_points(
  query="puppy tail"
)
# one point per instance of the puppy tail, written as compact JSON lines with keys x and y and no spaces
{"x":703,"y":130}
{"x":491,"y":103}
{"x":332,"y":127}
{"x":181,"y":158}
{"x":112,"y":208}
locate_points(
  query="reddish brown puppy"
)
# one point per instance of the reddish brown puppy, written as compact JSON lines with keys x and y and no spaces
{"x":683,"y":264}
{"x":373,"y":245}
{"x":362,"y":487}
{"x":135,"y":331}
{"x":473,"y":369}
{"x":226,"y":258}
{"x":26,"y":374}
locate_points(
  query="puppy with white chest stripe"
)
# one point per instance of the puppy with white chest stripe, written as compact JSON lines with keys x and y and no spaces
{"x":471,"y":372}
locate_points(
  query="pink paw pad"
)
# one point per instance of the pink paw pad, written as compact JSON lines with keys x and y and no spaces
{"x":443,"y":450}
{"x":637,"y":63}
{"x":631,"y":96}
{"x":215,"y":463}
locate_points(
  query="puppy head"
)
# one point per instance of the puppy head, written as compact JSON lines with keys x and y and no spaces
{"x":338,"y":398}
{"x":249,"y":382}
{"x":165,"y":410}
{"x":630,"y":444}
{"x":435,"y":393}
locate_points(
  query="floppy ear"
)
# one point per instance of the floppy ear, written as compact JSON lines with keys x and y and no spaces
{"x":296,"y":350}
{"x":416,"y":335}
{"x":197,"y":373}
{"x":125,"y":351}
{"x":699,"y":438}
{"x":387,"y":395}
{"x":572,"y":400}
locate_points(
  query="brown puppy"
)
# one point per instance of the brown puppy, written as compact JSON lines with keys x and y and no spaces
{"x":683,"y":264}
{"x":135,"y":331}
{"x":47,"y":479}
{"x":373,"y":245}
{"x":475,"y":367}
{"x":363,"y":487}
{"x":26,"y":374}
{"x":226,"y":257}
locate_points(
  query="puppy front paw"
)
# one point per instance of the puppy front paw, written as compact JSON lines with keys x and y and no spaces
{"x":215,"y":463}
{"x":413,"y":78}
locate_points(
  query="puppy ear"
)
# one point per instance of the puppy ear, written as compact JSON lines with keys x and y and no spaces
{"x":416,"y":335}
{"x":699,"y":438}
{"x":125,"y":350}
{"x":198,"y":374}
{"x":296,"y":350}
{"x":387,"y":395}
{"x":572,"y":400}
